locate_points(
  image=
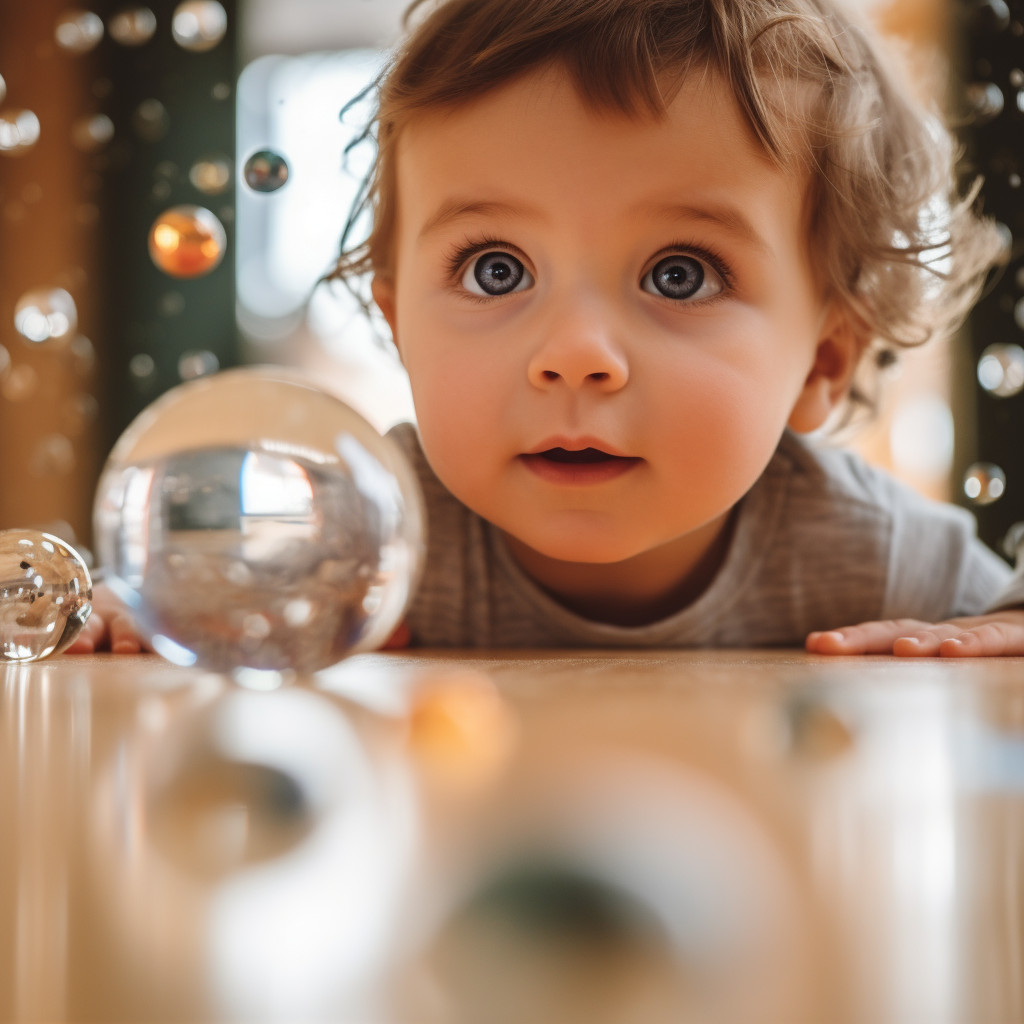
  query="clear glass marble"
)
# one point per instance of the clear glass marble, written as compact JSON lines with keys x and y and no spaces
{"x":265,"y":171}
{"x":253,"y":522}
{"x":45,"y":595}
{"x":199,"y":25}
{"x":187,"y":241}
{"x":984,"y":482}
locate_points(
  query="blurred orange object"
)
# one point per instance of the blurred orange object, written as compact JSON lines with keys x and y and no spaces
{"x":187,"y":241}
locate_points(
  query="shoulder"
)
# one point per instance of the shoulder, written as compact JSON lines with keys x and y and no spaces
{"x":929,"y":561}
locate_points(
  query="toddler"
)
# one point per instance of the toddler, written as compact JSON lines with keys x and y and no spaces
{"x":631,"y":253}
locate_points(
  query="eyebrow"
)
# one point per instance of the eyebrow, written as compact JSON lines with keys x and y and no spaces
{"x":729,"y":217}
{"x":453,"y":209}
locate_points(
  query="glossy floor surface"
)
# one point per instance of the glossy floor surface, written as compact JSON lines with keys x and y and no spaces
{"x":549,"y":837}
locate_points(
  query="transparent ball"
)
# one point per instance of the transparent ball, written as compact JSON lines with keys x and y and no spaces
{"x":199,"y":25}
{"x":984,"y":483}
{"x":187,"y":241}
{"x":133,"y":26}
{"x":266,"y":171}
{"x":45,"y":595}
{"x":78,"y":31}
{"x":253,"y":522}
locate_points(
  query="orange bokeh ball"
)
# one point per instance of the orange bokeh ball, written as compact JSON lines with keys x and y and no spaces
{"x":187,"y":241}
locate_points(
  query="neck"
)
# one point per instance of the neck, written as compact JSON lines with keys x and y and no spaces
{"x":637,"y":590}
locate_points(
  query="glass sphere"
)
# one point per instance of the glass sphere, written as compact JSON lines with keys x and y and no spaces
{"x":254,"y":523}
{"x":984,"y":483}
{"x":1001,"y":369}
{"x":45,"y":595}
{"x":187,"y":241}
{"x":199,"y":25}
{"x":78,"y":31}
{"x":46,"y":314}
{"x":19,"y":131}
{"x":266,"y":171}
{"x":133,"y":26}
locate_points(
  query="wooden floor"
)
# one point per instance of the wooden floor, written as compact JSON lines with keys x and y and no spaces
{"x":844,"y":834}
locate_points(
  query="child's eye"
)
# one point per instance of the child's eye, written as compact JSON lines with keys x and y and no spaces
{"x":682,"y":277}
{"x":496,"y":273}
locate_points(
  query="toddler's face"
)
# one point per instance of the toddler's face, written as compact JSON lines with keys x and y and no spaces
{"x":638,"y":292}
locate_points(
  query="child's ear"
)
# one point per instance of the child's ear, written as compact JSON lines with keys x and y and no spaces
{"x":383,"y":291}
{"x":835,"y":360}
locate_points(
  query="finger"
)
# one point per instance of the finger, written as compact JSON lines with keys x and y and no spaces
{"x":124,"y":635}
{"x":990,"y":640}
{"x":924,"y":643}
{"x":866,"y":638}
{"x":92,"y":636}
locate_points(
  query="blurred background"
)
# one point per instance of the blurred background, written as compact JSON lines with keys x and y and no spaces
{"x":174,"y":181}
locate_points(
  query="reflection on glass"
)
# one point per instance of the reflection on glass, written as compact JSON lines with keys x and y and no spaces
{"x":19,"y":131}
{"x":187,"y":241}
{"x":266,"y":171}
{"x":45,"y":595}
{"x":253,"y":521}
{"x":91,"y":132}
{"x":78,"y":31}
{"x":212,"y":175}
{"x":132,"y":26}
{"x":46,"y":314}
{"x":984,"y":483}
{"x":199,"y":25}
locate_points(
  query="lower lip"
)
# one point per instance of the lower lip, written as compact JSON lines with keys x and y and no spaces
{"x":578,"y":474}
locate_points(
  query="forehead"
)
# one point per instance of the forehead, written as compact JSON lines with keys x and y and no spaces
{"x":534,"y":143}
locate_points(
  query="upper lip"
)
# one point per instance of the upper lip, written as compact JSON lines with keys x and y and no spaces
{"x":577,"y":444}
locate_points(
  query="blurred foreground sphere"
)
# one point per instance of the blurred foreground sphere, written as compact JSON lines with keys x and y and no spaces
{"x":199,"y":25}
{"x":45,"y":595}
{"x":254,"y":523}
{"x":78,"y":31}
{"x":984,"y":483}
{"x":132,"y":26}
{"x":266,"y":171}
{"x":19,"y":131}
{"x":187,"y":241}
{"x":46,"y":314}
{"x":1001,"y":369}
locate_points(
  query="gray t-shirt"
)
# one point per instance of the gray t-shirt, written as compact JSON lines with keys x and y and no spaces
{"x":821,"y":540}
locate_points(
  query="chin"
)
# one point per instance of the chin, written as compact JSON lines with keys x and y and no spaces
{"x":583,"y":546}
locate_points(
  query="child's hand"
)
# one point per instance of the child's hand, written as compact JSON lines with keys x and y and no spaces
{"x":1001,"y":633}
{"x":110,"y":627}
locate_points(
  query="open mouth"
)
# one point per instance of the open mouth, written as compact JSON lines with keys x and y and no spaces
{"x":579,"y":466}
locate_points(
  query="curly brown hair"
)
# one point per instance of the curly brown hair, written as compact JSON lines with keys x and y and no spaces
{"x":892,"y":237}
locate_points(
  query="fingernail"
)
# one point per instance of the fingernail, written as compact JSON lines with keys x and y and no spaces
{"x":954,"y":640}
{"x":835,"y":635}
{"x":910,"y":640}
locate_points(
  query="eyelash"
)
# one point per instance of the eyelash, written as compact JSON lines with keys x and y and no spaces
{"x":457,"y":259}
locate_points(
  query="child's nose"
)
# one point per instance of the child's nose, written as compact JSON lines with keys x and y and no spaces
{"x":579,"y":355}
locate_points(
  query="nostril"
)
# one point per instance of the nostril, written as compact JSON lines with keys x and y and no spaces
{"x":550,"y":375}
{"x":602,"y":376}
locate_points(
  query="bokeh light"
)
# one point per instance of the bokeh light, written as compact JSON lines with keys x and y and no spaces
{"x":212,"y":175}
{"x":984,"y":483}
{"x":133,"y":26}
{"x":151,"y":120}
{"x":985,"y":101}
{"x":78,"y":31}
{"x":199,"y":25}
{"x":187,"y":241}
{"x":266,"y":171}
{"x":20,"y":384}
{"x":92,"y":132}
{"x":46,"y":314}
{"x":193,"y":365}
{"x":53,"y":455}
{"x":1001,"y":369}
{"x":19,"y":131}
{"x":45,"y":595}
